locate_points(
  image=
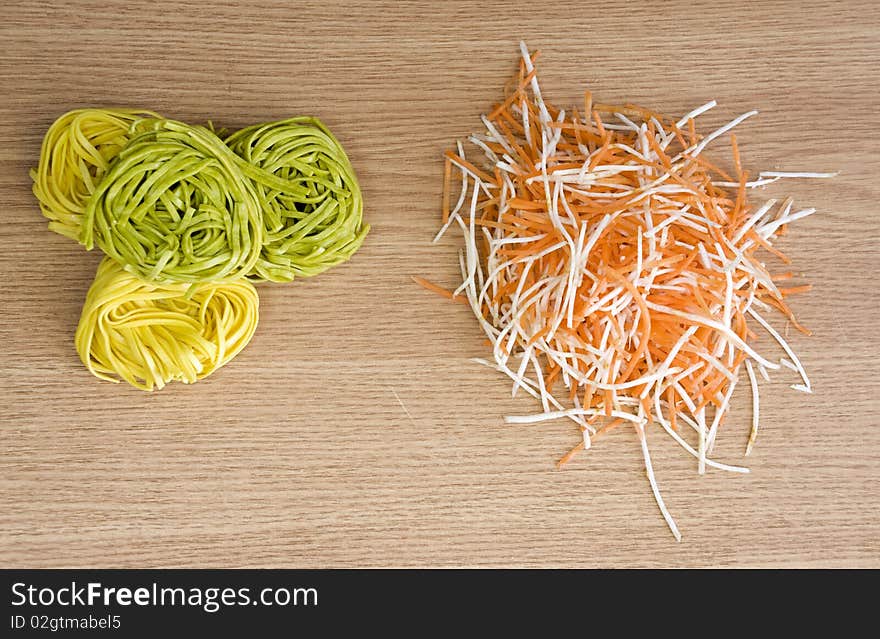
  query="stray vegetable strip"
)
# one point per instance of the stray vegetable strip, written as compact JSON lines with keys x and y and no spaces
{"x":605,"y":258}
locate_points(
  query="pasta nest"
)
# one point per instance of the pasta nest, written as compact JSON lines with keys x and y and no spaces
{"x":149,"y":334}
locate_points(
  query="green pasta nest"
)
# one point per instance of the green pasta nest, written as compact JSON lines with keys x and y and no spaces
{"x":308,"y":194}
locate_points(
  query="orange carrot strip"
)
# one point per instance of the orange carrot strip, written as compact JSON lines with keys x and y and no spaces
{"x":434,"y":288}
{"x":485,"y":177}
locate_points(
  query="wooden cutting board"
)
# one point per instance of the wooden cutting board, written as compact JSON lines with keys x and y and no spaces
{"x":354,"y":431}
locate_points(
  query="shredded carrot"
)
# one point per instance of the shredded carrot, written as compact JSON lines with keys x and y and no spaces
{"x":434,"y":288}
{"x":737,"y":162}
{"x":567,"y":457}
{"x":796,"y":289}
{"x":610,"y":258}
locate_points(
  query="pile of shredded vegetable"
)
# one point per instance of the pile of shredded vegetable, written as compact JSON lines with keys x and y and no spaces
{"x":616,"y":271}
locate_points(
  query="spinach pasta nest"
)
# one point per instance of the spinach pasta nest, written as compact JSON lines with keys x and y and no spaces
{"x":174,"y":207}
{"x":186,"y":216}
{"x":309,"y":196}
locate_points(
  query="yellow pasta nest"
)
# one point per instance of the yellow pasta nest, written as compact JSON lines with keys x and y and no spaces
{"x":150,"y":334}
{"x":77,"y":151}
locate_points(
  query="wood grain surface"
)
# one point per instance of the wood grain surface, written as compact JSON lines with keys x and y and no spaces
{"x":354,"y":431}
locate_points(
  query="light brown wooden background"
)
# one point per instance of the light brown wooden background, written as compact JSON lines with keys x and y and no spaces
{"x":353,"y":431}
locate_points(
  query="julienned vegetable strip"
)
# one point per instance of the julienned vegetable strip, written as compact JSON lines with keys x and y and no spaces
{"x":608,"y":257}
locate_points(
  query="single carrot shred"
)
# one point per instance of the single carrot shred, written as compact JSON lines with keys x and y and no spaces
{"x":434,"y":288}
{"x":567,"y":457}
